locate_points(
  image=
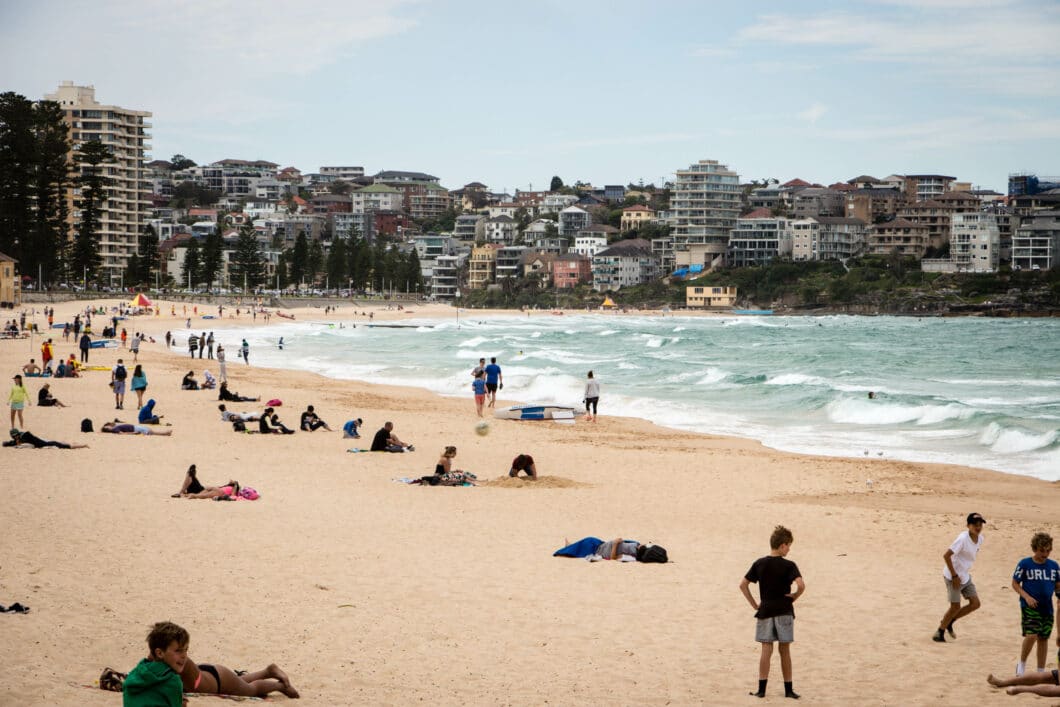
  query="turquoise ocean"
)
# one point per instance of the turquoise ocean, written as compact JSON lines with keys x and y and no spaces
{"x":971,"y":391}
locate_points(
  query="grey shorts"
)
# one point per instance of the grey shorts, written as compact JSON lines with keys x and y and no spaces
{"x":776,"y":628}
{"x":119,"y":387}
{"x":967,"y":591}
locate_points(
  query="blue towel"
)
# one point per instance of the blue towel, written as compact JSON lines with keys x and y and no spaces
{"x":581,"y":548}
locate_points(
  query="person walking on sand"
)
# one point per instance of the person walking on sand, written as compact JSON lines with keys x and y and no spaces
{"x":478,"y":387}
{"x":223,"y":372}
{"x":84,"y":343}
{"x":494,"y":380}
{"x":1036,"y":580}
{"x":117,"y":381}
{"x":775,"y":610}
{"x":18,"y":398}
{"x":134,"y":346}
{"x":959,"y":558}
{"x":139,"y":384}
{"x":592,"y":397}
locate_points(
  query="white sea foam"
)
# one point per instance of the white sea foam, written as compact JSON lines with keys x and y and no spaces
{"x":1008,"y":440}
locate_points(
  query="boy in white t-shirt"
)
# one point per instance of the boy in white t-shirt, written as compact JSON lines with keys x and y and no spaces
{"x":959,"y":559}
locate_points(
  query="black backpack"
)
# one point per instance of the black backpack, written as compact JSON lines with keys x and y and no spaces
{"x":239,"y":426}
{"x":86,"y":425}
{"x":120,"y":373}
{"x":652,"y":553}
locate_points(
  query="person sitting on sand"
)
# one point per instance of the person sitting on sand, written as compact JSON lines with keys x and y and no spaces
{"x":189,"y":382}
{"x":45,"y":399}
{"x":445,"y":475}
{"x":223,"y":393}
{"x":231,"y":416}
{"x":31,"y":368}
{"x":310,"y":422}
{"x":525,"y":463}
{"x":147,"y":414}
{"x":1045,"y":683}
{"x":149,"y":684}
{"x":22,"y":439}
{"x":269,"y":424}
{"x":208,"y":381}
{"x":386,"y":441}
{"x":349,"y":430}
{"x":73,"y":367}
{"x":125,"y":428}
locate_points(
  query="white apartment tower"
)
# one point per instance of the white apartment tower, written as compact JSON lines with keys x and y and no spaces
{"x":704,"y":206}
{"x":125,"y":132}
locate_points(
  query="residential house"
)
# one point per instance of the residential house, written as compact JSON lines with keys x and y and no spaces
{"x":539,"y":265}
{"x":635,"y":216}
{"x":423,"y":197}
{"x":377,"y":197}
{"x":900,"y":236}
{"x":328,"y":203}
{"x":1036,"y":243}
{"x":573,"y":219}
{"x":758,"y":239}
{"x":925,"y":187}
{"x":470,"y":228}
{"x":872,"y":205}
{"x":819,"y":201}
{"x":506,"y":209}
{"x":501,"y":229}
{"x":482,"y":266}
{"x":509,"y":262}
{"x":975,"y":245}
{"x":805,"y":239}
{"x":553,"y":203}
{"x":841,"y":237}
{"x":624,"y":264}
{"x":614,"y":193}
{"x":570,"y":270}
{"x":588,"y":245}
{"x":345,"y":174}
{"x":710,"y":297}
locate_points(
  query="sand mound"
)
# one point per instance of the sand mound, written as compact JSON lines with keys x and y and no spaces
{"x":548,"y":482}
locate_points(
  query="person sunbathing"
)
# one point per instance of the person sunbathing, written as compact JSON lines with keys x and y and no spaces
{"x":45,"y":398}
{"x":228,"y":396}
{"x":31,"y":368}
{"x":1046,"y":683}
{"x":189,"y":382}
{"x":191,"y":483}
{"x":229,"y":490}
{"x":232,"y":416}
{"x":22,"y":439}
{"x":124,"y":428}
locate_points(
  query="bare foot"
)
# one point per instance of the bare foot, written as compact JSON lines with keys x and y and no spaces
{"x":274,"y":672}
{"x":993,"y":681}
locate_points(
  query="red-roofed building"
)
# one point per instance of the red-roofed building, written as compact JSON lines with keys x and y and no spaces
{"x":636,"y":216}
{"x":796,"y":184}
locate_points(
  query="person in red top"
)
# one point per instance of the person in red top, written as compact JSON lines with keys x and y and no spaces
{"x":46,"y":353}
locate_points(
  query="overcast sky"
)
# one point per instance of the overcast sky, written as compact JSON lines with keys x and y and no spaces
{"x":606,"y":91}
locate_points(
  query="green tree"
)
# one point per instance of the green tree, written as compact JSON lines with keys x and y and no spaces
{"x":47,"y":238}
{"x":556,"y":184}
{"x":212,"y":257}
{"x":179,"y":162}
{"x":133,"y":269}
{"x":299,"y":259}
{"x":315,"y":261}
{"x":188,"y":194}
{"x":340,"y":187}
{"x":358,"y":261}
{"x":93,"y":183}
{"x":413,"y":274}
{"x":282,"y":279}
{"x":248,"y":264}
{"x":192,"y":263}
{"x":337,"y":262}
{"x":150,"y":259}
{"x":16,"y":186}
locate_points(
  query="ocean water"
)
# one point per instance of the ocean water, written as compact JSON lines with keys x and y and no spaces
{"x":972,"y":391}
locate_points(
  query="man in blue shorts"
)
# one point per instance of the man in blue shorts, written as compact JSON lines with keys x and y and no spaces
{"x":494,"y":380}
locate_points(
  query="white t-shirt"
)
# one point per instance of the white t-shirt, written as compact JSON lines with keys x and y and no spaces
{"x":964,"y":552}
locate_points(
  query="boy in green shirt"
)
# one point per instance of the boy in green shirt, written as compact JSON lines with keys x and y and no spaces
{"x":155,"y":682}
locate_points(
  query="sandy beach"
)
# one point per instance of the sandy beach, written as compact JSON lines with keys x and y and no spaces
{"x":372,"y":592}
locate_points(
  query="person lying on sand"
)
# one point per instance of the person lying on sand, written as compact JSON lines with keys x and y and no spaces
{"x":229,"y":491}
{"x":223,"y":393}
{"x":24,"y":439}
{"x":168,"y":671}
{"x":124,"y":428}
{"x":231,"y":416}
{"x":1046,"y":684}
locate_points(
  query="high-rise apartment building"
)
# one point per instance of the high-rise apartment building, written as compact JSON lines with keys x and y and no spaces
{"x":704,"y":206}
{"x":125,"y":212}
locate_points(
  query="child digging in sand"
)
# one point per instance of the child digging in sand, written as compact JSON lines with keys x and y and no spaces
{"x":775,"y":612}
{"x":150,"y":685}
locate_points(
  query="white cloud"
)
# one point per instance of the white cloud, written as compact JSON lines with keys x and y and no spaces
{"x":812,"y":114}
{"x":563,"y":146}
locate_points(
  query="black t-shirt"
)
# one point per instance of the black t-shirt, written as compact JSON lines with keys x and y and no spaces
{"x":381,"y":440}
{"x":774,"y":576}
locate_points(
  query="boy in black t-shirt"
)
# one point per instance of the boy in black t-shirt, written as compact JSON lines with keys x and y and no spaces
{"x":775,"y":612}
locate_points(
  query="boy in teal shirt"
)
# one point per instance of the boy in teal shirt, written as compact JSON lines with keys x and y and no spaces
{"x":155,"y":682}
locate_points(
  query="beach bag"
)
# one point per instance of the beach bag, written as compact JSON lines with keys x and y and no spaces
{"x":86,"y":425}
{"x":239,"y":426}
{"x":275,"y":403}
{"x":120,"y":373}
{"x":249,"y":494}
{"x":651,"y":553}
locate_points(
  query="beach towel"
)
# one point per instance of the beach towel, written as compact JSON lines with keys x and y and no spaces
{"x":582,"y":548}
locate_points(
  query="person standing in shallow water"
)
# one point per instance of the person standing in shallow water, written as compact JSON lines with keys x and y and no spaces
{"x":245,"y":351}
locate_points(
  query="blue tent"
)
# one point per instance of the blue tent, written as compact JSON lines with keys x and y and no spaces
{"x":680,"y":273}
{"x":695,"y":268}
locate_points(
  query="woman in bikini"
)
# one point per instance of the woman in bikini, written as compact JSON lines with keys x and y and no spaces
{"x":229,"y":490}
{"x":213,"y":679}
{"x":446,"y":475}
